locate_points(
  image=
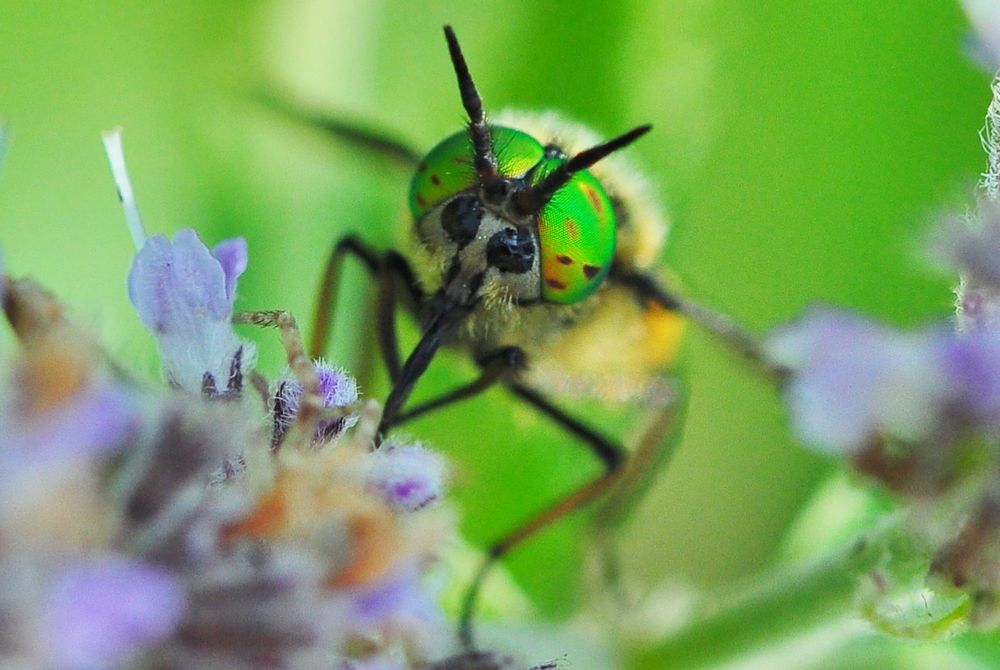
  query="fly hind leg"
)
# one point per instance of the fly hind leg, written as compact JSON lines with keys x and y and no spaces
{"x":311,"y":410}
{"x":612,"y":456}
{"x":391,"y":271}
{"x":496,"y":366}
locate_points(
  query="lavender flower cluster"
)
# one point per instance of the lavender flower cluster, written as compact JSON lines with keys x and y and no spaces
{"x":919,"y":410}
{"x":220,"y":522}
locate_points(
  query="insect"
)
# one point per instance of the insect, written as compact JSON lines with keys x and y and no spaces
{"x":534,"y":253}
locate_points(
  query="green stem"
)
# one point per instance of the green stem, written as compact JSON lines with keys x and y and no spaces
{"x":774,"y":609}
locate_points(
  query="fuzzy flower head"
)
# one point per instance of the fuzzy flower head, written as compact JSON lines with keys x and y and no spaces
{"x":163,"y":529}
{"x":337,"y":499}
{"x":970,"y":245}
{"x":856,"y":386}
{"x":338,"y":390}
{"x":408,"y":476}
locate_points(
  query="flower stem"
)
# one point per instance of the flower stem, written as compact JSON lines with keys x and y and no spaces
{"x":775,"y":609}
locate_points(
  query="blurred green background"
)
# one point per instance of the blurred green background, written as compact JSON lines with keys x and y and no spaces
{"x":802,"y":149}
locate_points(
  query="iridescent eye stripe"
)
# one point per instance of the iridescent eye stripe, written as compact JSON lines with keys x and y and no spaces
{"x":577,"y":232}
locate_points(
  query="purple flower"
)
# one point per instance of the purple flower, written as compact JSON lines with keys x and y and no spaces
{"x":985,"y":18}
{"x":400,"y":606}
{"x":970,"y":246}
{"x":973,"y":363}
{"x":184,"y":293}
{"x":855,"y":380}
{"x":91,"y":426}
{"x":339,"y":390}
{"x":97,"y":615}
{"x":408,"y":477}
{"x":41,"y":426}
{"x":977,"y":306}
{"x":402,"y":595}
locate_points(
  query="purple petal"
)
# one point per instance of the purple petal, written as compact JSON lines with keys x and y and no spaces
{"x":971,"y":246}
{"x":93,"y":424}
{"x":855,"y":379}
{"x":99,"y":614}
{"x":409,"y":477}
{"x":177,"y":285}
{"x":401,"y":595}
{"x":233,"y":256}
{"x":339,"y":390}
{"x":184,"y":294}
{"x":985,"y":18}
{"x":973,"y":362}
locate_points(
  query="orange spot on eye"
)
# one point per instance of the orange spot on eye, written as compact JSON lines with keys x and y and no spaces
{"x":595,"y":199}
{"x":555,"y":283}
{"x":566,"y":260}
{"x":571,"y":228}
{"x":436,"y":180}
{"x":591,"y":271}
{"x":421,"y":201}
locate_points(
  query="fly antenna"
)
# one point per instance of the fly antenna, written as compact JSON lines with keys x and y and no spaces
{"x":479,"y":131}
{"x":532,"y":200}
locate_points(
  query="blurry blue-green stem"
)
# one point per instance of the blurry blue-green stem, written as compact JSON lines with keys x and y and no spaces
{"x":779,"y":606}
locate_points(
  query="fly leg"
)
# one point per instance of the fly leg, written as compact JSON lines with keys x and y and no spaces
{"x":658,"y":441}
{"x":502,"y":365}
{"x":612,"y":456}
{"x":495,"y":366}
{"x":732,"y":334}
{"x":622,"y":481}
{"x":391,"y":271}
{"x":311,"y":409}
{"x":372,"y":141}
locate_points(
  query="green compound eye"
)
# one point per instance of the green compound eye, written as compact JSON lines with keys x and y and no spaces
{"x":447,"y":170}
{"x":576,"y":228}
